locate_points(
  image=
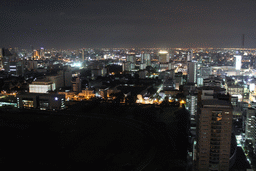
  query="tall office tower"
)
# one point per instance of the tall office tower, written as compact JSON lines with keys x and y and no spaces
{"x":83,"y":55}
{"x":190,"y":55}
{"x":142,"y":60}
{"x":250,"y":130}
{"x":7,"y":58}
{"x":36,"y":55}
{"x":16,"y":68}
{"x":191,"y":74}
{"x":146,"y":59}
{"x":128,"y":66}
{"x":213,"y":141}
{"x":191,"y":106}
{"x":32,"y":49}
{"x":163,"y":56}
{"x":238,"y":61}
{"x":76,"y":85}
{"x":41,"y":53}
{"x":131,"y":58}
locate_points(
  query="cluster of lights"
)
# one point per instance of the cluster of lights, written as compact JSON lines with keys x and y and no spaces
{"x":76,"y":64}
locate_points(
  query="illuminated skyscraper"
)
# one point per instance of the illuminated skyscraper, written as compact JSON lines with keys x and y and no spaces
{"x":191,"y":106}
{"x":82,"y":55}
{"x":238,"y":61}
{"x":191,"y":74}
{"x":250,"y":130}
{"x":190,"y":55}
{"x":163,"y":56}
{"x":128,"y":66}
{"x":41,"y":52}
{"x":36,"y":55}
{"x":146,"y":59}
{"x":131,"y":58}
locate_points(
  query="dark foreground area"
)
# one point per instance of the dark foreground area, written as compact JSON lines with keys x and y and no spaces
{"x":38,"y":140}
{"x":70,"y":143}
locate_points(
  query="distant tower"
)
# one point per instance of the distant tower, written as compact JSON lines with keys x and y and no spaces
{"x":250,"y":133}
{"x":191,"y":72}
{"x":190,"y":55}
{"x":83,"y":55}
{"x":146,"y":59}
{"x":36,"y":54}
{"x":41,"y":53}
{"x":131,"y":57}
{"x":238,"y":61}
{"x":191,"y":106}
{"x":242,"y":40}
{"x":32,"y":51}
{"x":163,"y":56}
{"x":6,"y":59}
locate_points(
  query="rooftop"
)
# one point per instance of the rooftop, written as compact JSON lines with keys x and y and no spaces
{"x":216,"y":103}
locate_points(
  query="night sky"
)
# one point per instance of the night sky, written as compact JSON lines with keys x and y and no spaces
{"x":117,"y":23}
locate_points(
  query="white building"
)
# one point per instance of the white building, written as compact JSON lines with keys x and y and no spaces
{"x":41,"y":87}
{"x":238,"y":61}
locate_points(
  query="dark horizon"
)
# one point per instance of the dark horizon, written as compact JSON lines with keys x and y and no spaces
{"x":163,"y":24}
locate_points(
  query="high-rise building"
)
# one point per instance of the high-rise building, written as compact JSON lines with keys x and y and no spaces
{"x":146,"y":59}
{"x":16,"y":68}
{"x":163,"y":57}
{"x":191,"y":74}
{"x":191,"y":106}
{"x":250,"y":130}
{"x":41,"y":53}
{"x":7,"y":57}
{"x":190,"y":55}
{"x":36,"y":54}
{"x":131,"y":57}
{"x":213,"y":141}
{"x":238,"y":61}
{"x":83,"y":57}
{"x":76,"y":85}
{"x":128,"y":66}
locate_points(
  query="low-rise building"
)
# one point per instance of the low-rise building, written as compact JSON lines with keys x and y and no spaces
{"x":42,"y":101}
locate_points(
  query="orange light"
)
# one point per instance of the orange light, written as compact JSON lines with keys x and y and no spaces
{"x":182,"y":102}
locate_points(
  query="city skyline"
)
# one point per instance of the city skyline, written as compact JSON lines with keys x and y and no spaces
{"x":77,"y":24}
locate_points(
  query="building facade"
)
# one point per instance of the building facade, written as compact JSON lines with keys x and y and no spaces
{"x":214,"y":128}
{"x":163,"y":57}
{"x":250,"y":130}
{"x":41,"y":101}
{"x":192,"y":75}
